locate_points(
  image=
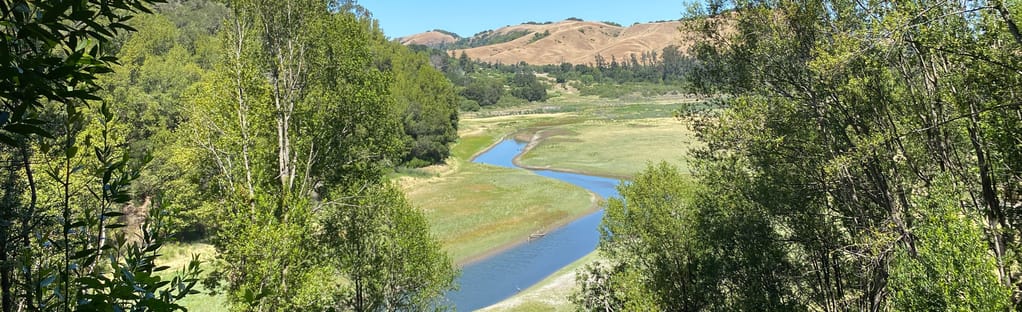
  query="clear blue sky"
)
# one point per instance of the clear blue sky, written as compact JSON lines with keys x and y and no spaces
{"x":468,"y":17}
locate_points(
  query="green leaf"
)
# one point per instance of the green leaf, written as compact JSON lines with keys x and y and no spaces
{"x":83,"y":253}
{"x":6,"y":139}
{"x":47,"y":281}
{"x":90,"y":282}
{"x":124,"y":292}
{"x":26,"y":130}
{"x":123,"y":26}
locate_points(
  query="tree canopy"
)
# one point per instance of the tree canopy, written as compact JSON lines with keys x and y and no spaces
{"x":265,"y":128}
{"x":867,"y":158}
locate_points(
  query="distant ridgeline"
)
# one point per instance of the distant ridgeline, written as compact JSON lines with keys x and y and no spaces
{"x":572,"y":40}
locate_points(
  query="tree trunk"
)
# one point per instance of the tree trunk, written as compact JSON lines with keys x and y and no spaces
{"x":243,"y":111}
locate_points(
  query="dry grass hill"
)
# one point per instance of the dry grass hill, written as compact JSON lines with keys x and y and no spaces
{"x":431,"y":38}
{"x":571,"y":41}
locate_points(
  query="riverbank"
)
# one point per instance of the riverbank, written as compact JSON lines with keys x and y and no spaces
{"x":551,"y":294}
{"x":478,"y":210}
{"x":568,"y":123}
{"x":573,"y":134}
{"x":610,"y":148}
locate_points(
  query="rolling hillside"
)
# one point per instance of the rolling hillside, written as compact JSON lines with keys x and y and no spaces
{"x":431,"y":38}
{"x":571,"y":41}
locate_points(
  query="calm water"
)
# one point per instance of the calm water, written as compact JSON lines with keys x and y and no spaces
{"x":500,"y":276}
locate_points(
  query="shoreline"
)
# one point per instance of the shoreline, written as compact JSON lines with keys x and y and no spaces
{"x":596,"y":205}
{"x":528,"y":147}
{"x":535,"y":141}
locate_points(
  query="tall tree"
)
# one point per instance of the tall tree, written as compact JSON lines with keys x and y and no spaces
{"x":66,"y":177}
{"x":426,"y":100}
{"x":867,"y":141}
{"x":300,"y":126}
{"x":525,"y":85}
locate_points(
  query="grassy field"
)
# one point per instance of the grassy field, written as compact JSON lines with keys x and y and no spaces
{"x":178,"y":256}
{"x":480,"y":208}
{"x":611,"y":148}
{"x":587,"y":134}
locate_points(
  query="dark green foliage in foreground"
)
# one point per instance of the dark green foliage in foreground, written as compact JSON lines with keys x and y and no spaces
{"x":867,"y":160}
{"x":427,"y":100}
{"x":66,"y":177}
{"x":299,"y":139}
{"x":254,"y":147}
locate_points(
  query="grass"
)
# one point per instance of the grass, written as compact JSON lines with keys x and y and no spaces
{"x":477,"y":209}
{"x":204,"y":303}
{"x":550,"y":294}
{"x":484,"y":207}
{"x":588,"y":134}
{"x":612,"y":148}
{"x":177,"y":256}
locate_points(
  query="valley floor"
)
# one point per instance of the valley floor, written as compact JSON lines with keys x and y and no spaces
{"x":589,"y":135}
{"x":477,"y":210}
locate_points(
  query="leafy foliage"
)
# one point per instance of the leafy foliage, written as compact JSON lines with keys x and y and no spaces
{"x":386,"y":250}
{"x":524,"y":85}
{"x":484,"y":91}
{"x":299,"y":125}
{"x":860,"y":164}
{"x":427,"y":100}
{"x":63,"y":244}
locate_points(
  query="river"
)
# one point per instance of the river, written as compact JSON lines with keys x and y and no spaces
{"x":500,"y":276}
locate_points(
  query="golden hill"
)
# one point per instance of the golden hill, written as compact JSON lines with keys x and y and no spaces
{"x":578,"y":42}
{"x":430,"y":38}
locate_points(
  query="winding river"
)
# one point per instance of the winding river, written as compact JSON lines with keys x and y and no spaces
{"x":490,"y":280}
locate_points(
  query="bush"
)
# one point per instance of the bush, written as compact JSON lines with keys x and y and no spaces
{"x":467,"y":105}
{"x":526,"y":86}
{"x":484,"y":91}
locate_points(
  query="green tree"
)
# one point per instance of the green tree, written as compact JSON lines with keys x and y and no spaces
{"x":160,"y":62}
{"x":951,"y":270}
{"x":299,"y":128}
{"x":484,"y":91}
{"x":427,"y":100}
{"x":465,"y":63}
{"x":859,"y":157}
{"x":526,"y":86}
{"x":66,"y":178}
{"x":387,"y":252}
{"x":844,"y":191}
{"x":675,"y":245}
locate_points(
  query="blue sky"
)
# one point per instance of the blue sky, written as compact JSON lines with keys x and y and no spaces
{"x":467,"y":17}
